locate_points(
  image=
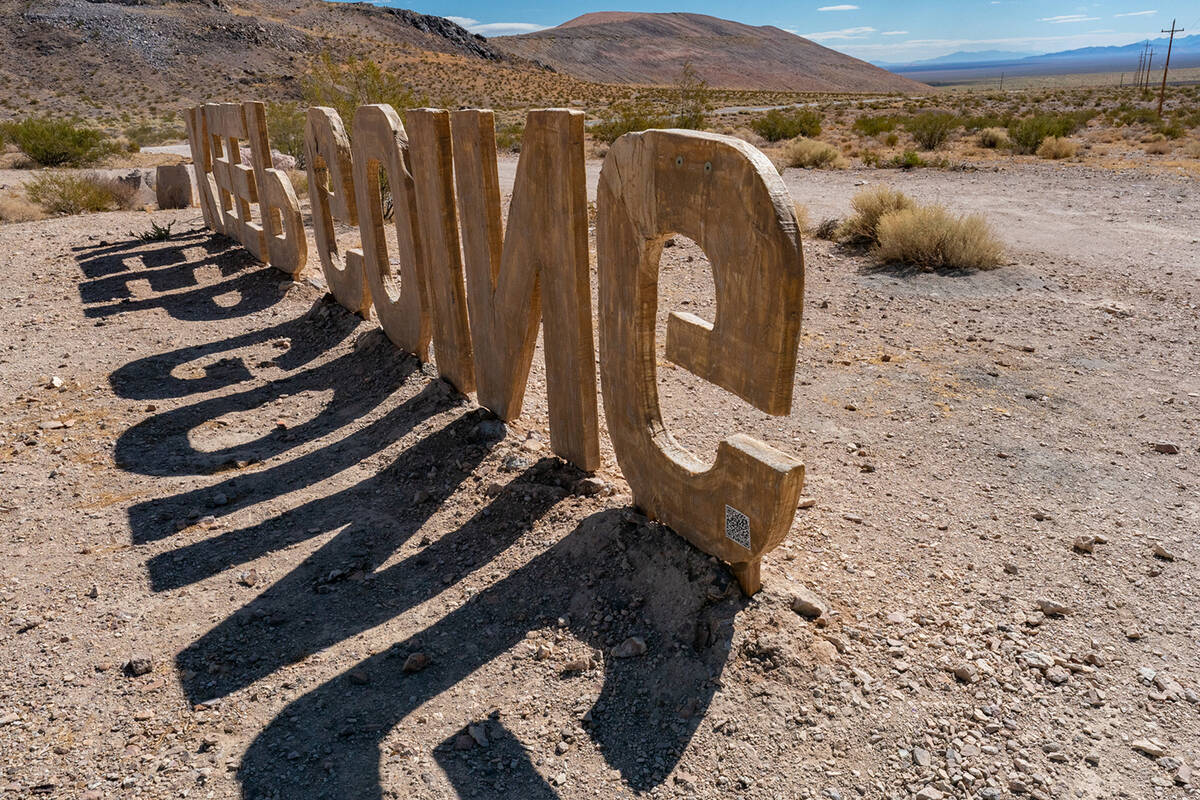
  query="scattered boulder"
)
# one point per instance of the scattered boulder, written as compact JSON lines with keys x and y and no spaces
{"x":633,"y":646}
{"x":173,"y":186}
{"x":139,"y":664}
{"x":809,"y":604}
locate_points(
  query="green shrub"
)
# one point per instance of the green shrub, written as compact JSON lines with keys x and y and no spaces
{"x":629,"y":116}
{"x":346,"y":85}
{"x":869,"y":206}
{"x":873,"y":126}
{"x":146,"y":134}
{"x":693,"y":99}
{"x":801,"y":152}
{"x":777,"y":125}
{"x":930,"y":237}
{"x":77,"y":193}
{"x":932,"y":128}
{"x":53,"y":142}
{"x":285,"y":129}
{"x":508,"y":137}
{"x":1028,"y":133}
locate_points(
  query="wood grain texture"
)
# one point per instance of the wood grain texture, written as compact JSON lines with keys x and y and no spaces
{"x":726,"y":196}
{"x":206,"y":188}
{"x":538,"y":271}
{"x":330,"y":167}
{"x":278,"y":207}
{"x":381,"y":143}
{"x":236,"y":189}
{"x":433,"y":179}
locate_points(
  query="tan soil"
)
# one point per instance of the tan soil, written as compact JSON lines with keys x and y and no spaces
{"x":253,"y":488}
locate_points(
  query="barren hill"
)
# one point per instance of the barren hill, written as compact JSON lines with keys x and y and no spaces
{"x":630,"y":47}
{"x":143,"y":56}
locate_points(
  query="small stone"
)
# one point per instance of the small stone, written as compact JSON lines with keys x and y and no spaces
{"x":416,"y":662}
{"x":544,"y":651}
{"x":592,"y":486}
{"x":809,"y":604}
{"x":921,"y":757}
{"x":855,"y":518}
{"x":1150,"y":747}
{"x":1183,"y":775}
{"x":93,"y":592}
{"x":929,"y":793}
{"x":479,"y":734}
{"x":633,"y":646}
{"x":967,"y":672}
{"x":1166,"y":448}
{"x":1010,"y":568}
{"x":561,"y":748}
{"x":1163,"y":553}
{"x":1084,"y":544}
{"x":139,"y":664}
{"x":1053,"y":608}
{"x":489,"y":430}
{"x":578,"y":665}
{"x":806,"y":502}
{"x":248,"y":578}
{"x":463,"y":742}
{"x":358,"y":676}
{"x":420,"y":496}
{"x":1057,"y":675}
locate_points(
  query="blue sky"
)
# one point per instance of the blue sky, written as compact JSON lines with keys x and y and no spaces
{"x":869,"y":29}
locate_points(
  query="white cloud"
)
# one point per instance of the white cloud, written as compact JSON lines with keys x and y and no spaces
{"x":844,"y":33}
{"x":1136,"y":13}
{"x":894,"y":33}
{"x":838,"y":8}
{"x":496,"y":28}
{"x":1059,"y":20}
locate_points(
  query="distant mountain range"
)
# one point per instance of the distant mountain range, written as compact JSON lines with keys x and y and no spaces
{"x":652,"y":49}
{"x":1121,"y":58}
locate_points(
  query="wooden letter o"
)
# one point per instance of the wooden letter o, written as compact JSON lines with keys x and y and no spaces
{"x":725,"y":195}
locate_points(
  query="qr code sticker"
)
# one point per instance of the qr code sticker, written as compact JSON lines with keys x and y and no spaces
{"x":737,"y":526}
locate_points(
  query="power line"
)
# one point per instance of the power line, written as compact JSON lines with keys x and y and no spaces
{"x":1162,"y":93}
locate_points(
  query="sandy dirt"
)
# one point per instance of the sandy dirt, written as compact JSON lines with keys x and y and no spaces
{"x":248,"y":549}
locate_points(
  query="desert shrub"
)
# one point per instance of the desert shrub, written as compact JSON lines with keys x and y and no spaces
{"x":777,"y":125}
{"x":931,"y":238}
{"x":931,"y":129}
{"x":14,"y":208}
{"x":869,"y":205}
{"x":146,"y":134}
{"x":346,"y":85}
{"x":1057,"y":147}
{"x":628,"y":116}
{"x":827,"y":229}
{"x":803,"y":218}
{"x":984,"y":121}
{"x":873,"y":126}
{"x":1192,"y":150}
{"x":1159,"y":148}
{"x":508,"y":137}
{"x":1028,"y":133}
{"x":299,"y":179}
{"x":801,"y":152}
{"x":61,"y":192}
{"x":892,"y":139}
{"x":1170,"y":130}
{"x":692,"y":98}
{"x":993,"y":138}
{"x":909,"y":159}
{"x":285,"y":129}
{"x":52,"y":142}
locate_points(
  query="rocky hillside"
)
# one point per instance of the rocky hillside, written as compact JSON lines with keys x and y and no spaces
{"x":627,"y":47}
{"x":148,"y":56}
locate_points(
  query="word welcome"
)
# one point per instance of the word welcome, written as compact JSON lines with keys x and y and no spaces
{"x":477,"y":289}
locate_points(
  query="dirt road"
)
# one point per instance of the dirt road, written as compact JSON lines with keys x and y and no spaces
{"x":247,"y":549}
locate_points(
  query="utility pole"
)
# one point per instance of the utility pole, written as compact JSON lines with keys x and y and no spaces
{"x":1137,"y":79}
{"x":1162,"y":93}
{"x":1149,"y":61}
{"x":1002,"y":81}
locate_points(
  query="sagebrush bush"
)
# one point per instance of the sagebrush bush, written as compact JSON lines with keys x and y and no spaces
{"x":51,"y":142}
{"x":801,"y":152}
{"x":873,"y":126}
{"x":1057,"y":147}
{"x":1159,"y":148}
{"x":777,"y":125}
{"x":1028,"y":134}
{"x":931,"y":129}
{"x":78,"y":193}
{"x":930,"y":237}
{"x":19,"y":209}
{"x":993,"y":138}
{"x":869,"y":206}
{"x":1192,"y":150}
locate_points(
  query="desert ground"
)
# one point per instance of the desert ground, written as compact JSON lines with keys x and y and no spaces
{"x":249,"y":549}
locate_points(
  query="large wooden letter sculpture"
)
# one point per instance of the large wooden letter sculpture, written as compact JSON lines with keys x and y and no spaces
{"x":278,"y":237}
{"x":432,"y":174}
{"x":380,"y":143}
{"x":206,"y":188}
{"x":546,"y":248}
{"x":726,"y":196}
{"x":331,"y":190}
